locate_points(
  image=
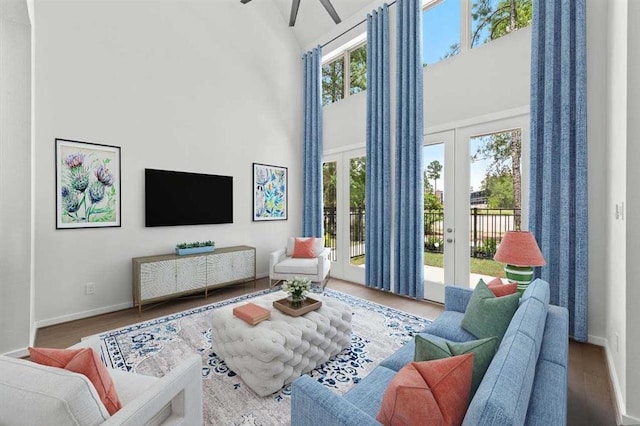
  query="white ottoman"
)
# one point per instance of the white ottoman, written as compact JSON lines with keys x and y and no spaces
{"x":277,"y":351}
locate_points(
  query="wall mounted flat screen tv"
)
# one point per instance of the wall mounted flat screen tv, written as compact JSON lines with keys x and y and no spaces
{"x":179,"y":198}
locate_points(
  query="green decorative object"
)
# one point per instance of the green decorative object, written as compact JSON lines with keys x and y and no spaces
{"x":195,"y":247}
{"x":297,"y":288}
{"x":483,"y":351}
{"x":488,"y":315}
{"x":522,"y":275}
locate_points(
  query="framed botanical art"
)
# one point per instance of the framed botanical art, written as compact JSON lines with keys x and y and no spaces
{"x":87,"y":185}
{"x":269,"y":192}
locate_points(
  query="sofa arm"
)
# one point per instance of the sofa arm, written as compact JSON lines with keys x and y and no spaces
{"x":456,"y":298}
{"x":312,"y":404}
{"x":275,"y":258}
{"x":180,"y":390}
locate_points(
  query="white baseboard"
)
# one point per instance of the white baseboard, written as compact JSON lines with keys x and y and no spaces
{"x":618,"y":403}
{"x":597,"y":340}
{"x":83,"y":314}
{"x":19,"y":353}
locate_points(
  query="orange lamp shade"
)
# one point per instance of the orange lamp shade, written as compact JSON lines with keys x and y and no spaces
{"x":519,"y":248}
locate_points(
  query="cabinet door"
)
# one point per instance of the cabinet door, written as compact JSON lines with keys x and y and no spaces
{"x":243,"y":264}
{"x":157,"y":279}
{"x":191,"y":273}
{"x":220,"y":268}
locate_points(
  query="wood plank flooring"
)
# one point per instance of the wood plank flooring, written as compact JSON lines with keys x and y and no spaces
{"x":590,"y":395}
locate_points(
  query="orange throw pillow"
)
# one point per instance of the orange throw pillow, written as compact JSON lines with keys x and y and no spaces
{"x":429,"y":393}
{"x":84,"y":361}
{"x":303,"y":248}
{"x":499,"y":289}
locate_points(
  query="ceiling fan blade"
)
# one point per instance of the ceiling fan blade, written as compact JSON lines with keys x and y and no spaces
{"x":244,"y":1}
{"x":295,"y":4}
{"x":332,"y":12}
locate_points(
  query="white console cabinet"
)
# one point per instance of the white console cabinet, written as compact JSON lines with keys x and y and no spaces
{"x":157,"y":278}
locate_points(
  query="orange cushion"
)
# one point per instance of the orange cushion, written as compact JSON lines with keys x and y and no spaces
{"x":429,"y":393}
{"x":84,"y":361}
{"x":303,"y":248}
{"x":499,"y":289}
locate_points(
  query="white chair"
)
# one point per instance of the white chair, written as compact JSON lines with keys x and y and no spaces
{"x":283,"y":267}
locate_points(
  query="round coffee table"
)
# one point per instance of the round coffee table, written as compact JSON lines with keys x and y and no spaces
{"x":275,"y":352}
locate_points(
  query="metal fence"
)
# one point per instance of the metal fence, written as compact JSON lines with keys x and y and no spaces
{"x":486,"y":229}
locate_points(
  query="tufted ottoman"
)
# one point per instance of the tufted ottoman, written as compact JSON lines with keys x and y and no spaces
{"x":275,"y":352}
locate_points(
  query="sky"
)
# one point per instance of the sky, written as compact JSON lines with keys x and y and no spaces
{"x":441,"y":29}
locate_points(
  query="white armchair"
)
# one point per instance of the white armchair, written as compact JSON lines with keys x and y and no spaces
{"x":283,"y":267}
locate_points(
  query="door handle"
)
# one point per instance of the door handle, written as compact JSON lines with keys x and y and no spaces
{"x":449,"y":230}
{"x":449,"y":240}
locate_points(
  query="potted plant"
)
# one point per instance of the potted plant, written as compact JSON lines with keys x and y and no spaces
{"x":297,"y":288}
{"x":195,"y":247}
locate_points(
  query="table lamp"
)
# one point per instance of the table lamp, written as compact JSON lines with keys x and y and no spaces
{"x":520,"y":252}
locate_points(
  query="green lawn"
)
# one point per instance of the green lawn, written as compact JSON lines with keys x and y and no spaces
{"x":478,"y":266}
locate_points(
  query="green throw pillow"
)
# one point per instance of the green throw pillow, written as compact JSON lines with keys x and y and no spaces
{"x":488,"y":315}
{"x":483,"y":351}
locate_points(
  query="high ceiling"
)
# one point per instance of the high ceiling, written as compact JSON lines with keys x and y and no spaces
{"x":313,"y":20}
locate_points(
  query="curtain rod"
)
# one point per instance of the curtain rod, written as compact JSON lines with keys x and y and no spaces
{"x":356,"y":25}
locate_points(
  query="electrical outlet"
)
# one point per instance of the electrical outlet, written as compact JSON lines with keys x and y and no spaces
{"x":617,"y":211}
{"x":617,"y":343}
{"x":89,"y":288}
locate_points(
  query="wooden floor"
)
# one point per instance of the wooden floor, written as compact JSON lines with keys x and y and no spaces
{"x":590,"y":395}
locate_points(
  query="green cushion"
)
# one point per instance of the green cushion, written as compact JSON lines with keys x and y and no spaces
{"x":488,"y":315}
{"x":483,"y":351}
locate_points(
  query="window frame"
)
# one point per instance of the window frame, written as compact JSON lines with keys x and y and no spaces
{"x":344,"y":53}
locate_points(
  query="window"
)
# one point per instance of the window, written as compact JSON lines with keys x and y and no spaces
{"x":345,"y":74}
{"x":444,"y":34}
{"x":491,"y":19}
{"x":441,"y":31}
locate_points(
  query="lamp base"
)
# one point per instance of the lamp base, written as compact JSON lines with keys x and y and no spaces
{"x":523,"y":275}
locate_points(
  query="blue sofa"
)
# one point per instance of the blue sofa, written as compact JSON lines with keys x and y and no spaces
{"x":525,"y":384}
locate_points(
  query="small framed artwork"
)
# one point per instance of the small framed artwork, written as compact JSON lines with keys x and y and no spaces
{"x":269,"y":192}
{"x":87,"y":185}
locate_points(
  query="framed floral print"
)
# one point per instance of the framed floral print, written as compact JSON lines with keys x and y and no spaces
{"x":269,"y":192}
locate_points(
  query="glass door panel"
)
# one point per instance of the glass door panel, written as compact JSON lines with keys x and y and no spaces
{"x":357,"y":172}
{"x":330,"y":199}
{"x":495,"y":180}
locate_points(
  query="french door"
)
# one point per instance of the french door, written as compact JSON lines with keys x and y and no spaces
{"x":344,"y":225}
{"x":471,"y":200}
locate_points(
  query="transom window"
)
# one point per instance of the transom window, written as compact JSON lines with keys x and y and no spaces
{"x":445,"y":33}
{"x":344,"y":74}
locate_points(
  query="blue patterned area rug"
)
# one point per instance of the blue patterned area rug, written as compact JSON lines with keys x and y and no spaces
{"x":154,"y":347}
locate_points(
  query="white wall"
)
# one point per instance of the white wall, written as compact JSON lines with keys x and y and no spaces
{"x":199,"y":86}
{"x":632,"y":216}
{"x":616,"y":134}
{"x":15,"y":175}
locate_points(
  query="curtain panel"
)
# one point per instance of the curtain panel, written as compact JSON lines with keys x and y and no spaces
{"x":409,"y":221}
{"x":558,"y":215}
{"x":312,"y":216}
{"x":378,"y":175}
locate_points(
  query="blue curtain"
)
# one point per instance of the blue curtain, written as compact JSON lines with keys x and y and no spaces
{"x":409,"y":221}
{"x":312,"y":161}
{"x":378,"y":178}
{"x":558,"y":179}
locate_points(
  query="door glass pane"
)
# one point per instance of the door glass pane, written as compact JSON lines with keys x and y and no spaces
{"x":329,"y":181}
{"x":434,"y":202}
{"x":495,"y":198}
{"x":357,"y":172}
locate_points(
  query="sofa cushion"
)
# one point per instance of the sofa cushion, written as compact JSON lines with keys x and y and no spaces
{"x":538,"y":289}
{"x":483,"y":351}
{"x":428,"y":393}
{"x":42,"y":395}
{"x":488,"y":315}
{"x":367,"y":395}
{"x":549,"y":390}
{"x":448,"y":326}
{"x":499,"y":289}
{"x":504,"y":394}
{"x":318,"y":246}
{"x":406,"y":353}
{"x":84,"y":361}
{"x":303,"y":248}
{"x":297,"y":266}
